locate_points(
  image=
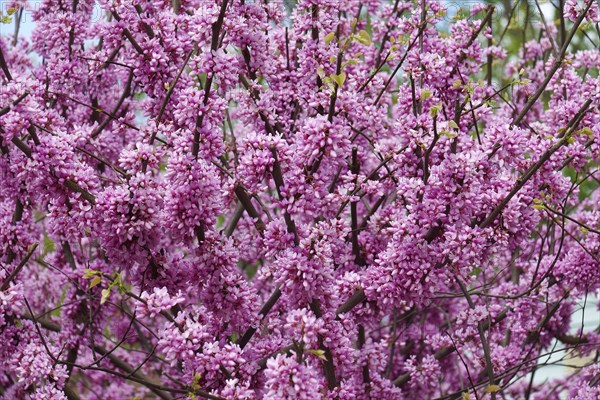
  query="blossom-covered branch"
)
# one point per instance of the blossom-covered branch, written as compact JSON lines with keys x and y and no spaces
{"x":309,"y":199}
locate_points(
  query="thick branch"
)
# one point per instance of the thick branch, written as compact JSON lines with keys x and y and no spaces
{"x":535,"y":167}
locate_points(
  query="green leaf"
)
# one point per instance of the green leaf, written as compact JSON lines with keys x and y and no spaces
{"x":118,"y":280}
{"x":56,"y":312}
{"x":196,"y":382}
{"x":250,"y":269}
{"x":493,"y":389}
{"x":425,"y":94}
{"x":49,"y":246}
{"x":89,"y":273}
{"x":58,"y":309}
{"x":11,"y":11}
{"x":585,"y":131}
{"x":460,"y":14}
{"x":452,"y":124}
{"x":319,"y":353}
{"x":585,"y":25}
{"x":434,"y":110}
{"x":124,"y":288}
{"x":448,"y":134}
{"x":466,"y":396}
{"x":105,"y":295}
{"x":95,"y":281}
{"x":320,"y":72}
{"x":352,"y":61}
{"x":363,"y":37}
{"x":329,"y":37}
{"x":339,"y":78}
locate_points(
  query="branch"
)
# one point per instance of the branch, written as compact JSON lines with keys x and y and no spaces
{"x":122,"y":365}
{"x":446,"y":351}
{"x":246,"y":202}
{"x":110,"y":117}
{"x":278,"y":178}
{"x":355,"y":169}
{"x":354,"y":300}
{"x":483,"y":24}
{"x":214,"y":44}
{"x":235,"y":218}
{"x":4,"y":66}
{"x":7,"y":109}
{"x":557,"y":63}
{"x":535,"y":167}
{"x":328,"y":366}
{"x":489,"y":366}
{"x":18,"y":269}
{"x":263,"y":312}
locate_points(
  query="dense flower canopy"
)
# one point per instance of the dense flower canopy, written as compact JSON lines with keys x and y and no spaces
{"x":312,"y":199}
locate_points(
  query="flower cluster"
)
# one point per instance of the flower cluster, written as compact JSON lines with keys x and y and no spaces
{"x":158,"y":301}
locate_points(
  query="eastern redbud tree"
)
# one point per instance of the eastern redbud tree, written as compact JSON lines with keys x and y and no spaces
{"x":311,"y":199}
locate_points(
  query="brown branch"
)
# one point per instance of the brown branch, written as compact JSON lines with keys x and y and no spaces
{"x":73,"y":186}
{"x":489,"y":366}
{"x":147,"y":28}
{"x":483,"y":24}
{"x":266,"y":308}
{"x":214,"y":44}
{"x":18,"y":268}
{"x":521,"y":181}
{"x":242,"y":195}
{"x":235,"y":218}
{"x":111,"y":116}
{"x":7,"y":109}
{"x":4,"y":66}
{"x":446,"y":351}
{"x":555,"y":66}
{"x":372,"y":211}
{"x":389,"y":81}
{"x":171,"y":89}
{"x":355,"y":169}
{"x":278,"y":178}
{"x":127,"y":124}
{"x":328,"y":366}
{"x":354,"y":300}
